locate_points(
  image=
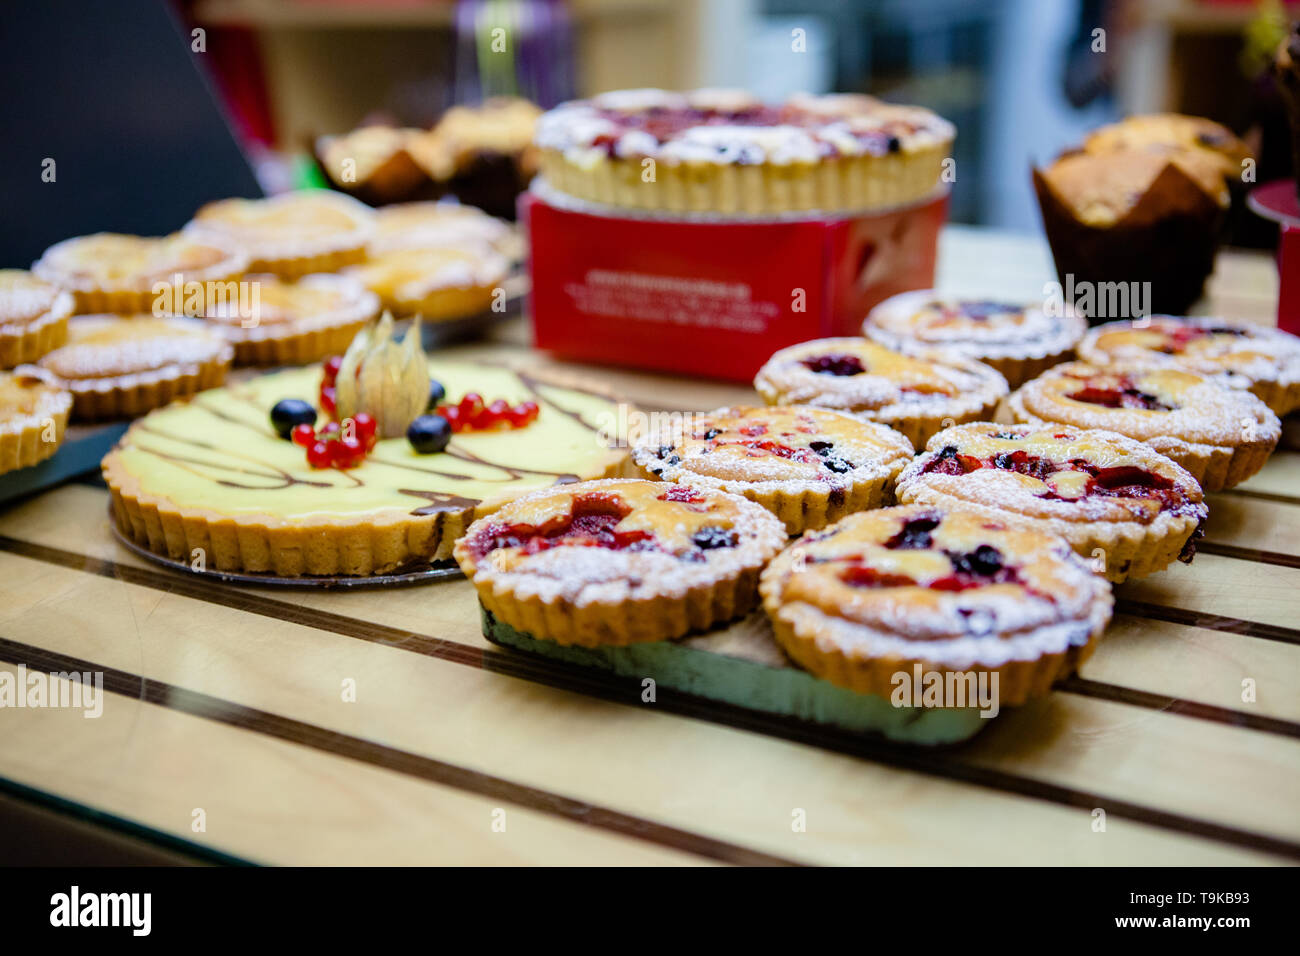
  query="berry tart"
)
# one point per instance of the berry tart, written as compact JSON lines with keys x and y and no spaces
{"x":1018,"y":341}
{"x":808,"y":466}
{"x":723,"y":151}
{"x":290,"y":235}
{"x":110,"y":272}
{"x":1111,"y":497}
{"x":950,"y":590}
{"x":437,"y":283}
{"x":915,"y":394}
{"x":609,"y":563}
{"x":1241,"y":354}
{"x":33,"y":317}
{"x":123,"y":366}
{"x":33,"y":417}
{"x":371,"y":464}
{"x":293,"y":322}
{"x":1221,"y":436}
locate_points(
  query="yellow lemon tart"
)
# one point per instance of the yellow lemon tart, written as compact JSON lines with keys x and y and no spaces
{"x":213,"y":474}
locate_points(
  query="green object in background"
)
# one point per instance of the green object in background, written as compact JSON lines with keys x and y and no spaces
{"x":306,"y":174}
{"x":742,"y":665}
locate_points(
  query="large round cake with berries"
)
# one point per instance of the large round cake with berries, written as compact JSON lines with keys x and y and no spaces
{"x":723,"y":151}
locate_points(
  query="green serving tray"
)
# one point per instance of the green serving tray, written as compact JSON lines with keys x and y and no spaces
{"x":741,"y":664}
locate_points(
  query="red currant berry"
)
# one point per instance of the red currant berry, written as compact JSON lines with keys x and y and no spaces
{"x":327,"y":399}
{"x":303,"y":435}
{"x":364,"y":426}
{"x":332,"y":366}
{"x":452,"y":414}
{"x":331,"y":428}
{"x":318,"y":455}
{"x":347,"y":452}
{"x":470,"y":404}
{"x":524,"y":414}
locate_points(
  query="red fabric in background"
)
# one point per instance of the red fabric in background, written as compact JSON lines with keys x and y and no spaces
{"x":233,"y":61}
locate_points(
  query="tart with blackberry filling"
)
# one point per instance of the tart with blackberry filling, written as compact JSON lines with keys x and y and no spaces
{"x":914,"y":394}
{"x":291,"y":235}
{"x":808,"y":466}
{"x":33,"y":317}
{"x":1114,"y":499}
{"x":293,"y":323}
{"x":123,"y":366}
{"x":609,"y":563}
{"x":437,"y":283}
{"x":946,"y":589}
{"x":33,"y":418}
{"x":1221,"y":436}
{"x":723,"y":151}
{"x":1019,"y":341}
{"x":1242,"y":354}
{"x":111,"y":272}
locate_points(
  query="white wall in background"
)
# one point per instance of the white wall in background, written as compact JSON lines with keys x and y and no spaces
{"x":1029,"y":118}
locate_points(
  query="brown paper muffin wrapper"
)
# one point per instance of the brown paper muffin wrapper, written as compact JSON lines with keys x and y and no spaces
{"x":1169,"y":239}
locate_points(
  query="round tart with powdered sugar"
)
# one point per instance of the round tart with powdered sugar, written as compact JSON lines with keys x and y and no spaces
{"x":1019,"y":341}
{"x":1117,"y":501}
{"x":290,"y":235}
{"x":916,"y":394}
{"x":1241,"y":354}
{"x":946,"y":589}
{"x":723,"y":151}
{"x":808,"y":466}
{"x":1221,"y":436}
{"x":436,"y":283}
{"x":33,"y":317}
{"x":619,"y":561}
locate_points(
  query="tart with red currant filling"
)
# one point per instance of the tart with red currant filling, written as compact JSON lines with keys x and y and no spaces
{"x":619,"y":561}
{"x":1116,"y":500}
{"x":1020,"y":342}
{"x":1221,"y":436}
{"x":1239,"y":354}
{"x":723,"y":151}
{"x":914,"y":394}
{"x":808,"y":466}
{"x":946,"y":589}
